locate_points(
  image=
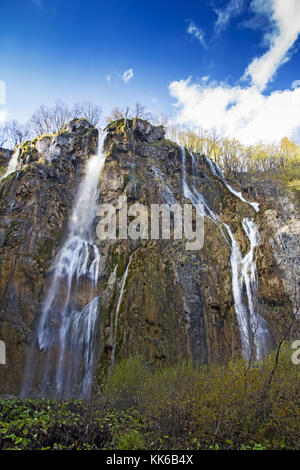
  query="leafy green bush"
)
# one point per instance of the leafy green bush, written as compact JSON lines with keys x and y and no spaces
{"x":133,"y":440}
{"x":184,"y":406}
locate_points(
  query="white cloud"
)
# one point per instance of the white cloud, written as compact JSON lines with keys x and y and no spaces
{"x":108,"y":78}
{"x":232,"y":10}
{"x":243,"y":113}
{"x":196,"y":32}
{"x":296,"y":84}
{"x":127,"y":75}
{"x":285,"y":18}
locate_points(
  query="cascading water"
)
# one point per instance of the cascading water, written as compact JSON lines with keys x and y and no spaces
{"x":254,"y":333}
{"x":116,"y":322}
{"x":216,"y":171}
{"x":66,"y":334}
{"x":13,"y":164}
{"x":255,"y":337}
{"x":196,"y":197}
{"x":258,"y":326}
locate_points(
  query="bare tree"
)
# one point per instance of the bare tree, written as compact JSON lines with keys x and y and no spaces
{"x":89,"y":111}
{"x":43,"y":121}
{"x":47,"y":120}
{"x":3,"y":135}
{"x":140,"y":112}
{"x":161,"y":119}
{"x":117,"y":113}
{"x":14,"y":133}
{"x":17,"y":133}
{"x":60,"y":115}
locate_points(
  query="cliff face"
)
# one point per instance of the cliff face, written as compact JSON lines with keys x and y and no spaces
{"x":34,"y":205}
{"x":281,"y":225}
{"x":178,"y":303}
{"x":156,"y":297}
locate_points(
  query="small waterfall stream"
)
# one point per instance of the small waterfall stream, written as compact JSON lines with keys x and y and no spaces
{"x":216,"y":171}
{"x":116,"y":322}
{"x":254,"y":333}
{"x":67,"y":330}
{"x":13,"y":164}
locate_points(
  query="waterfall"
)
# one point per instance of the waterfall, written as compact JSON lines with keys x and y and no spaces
{"x":116,"y":322}
{"x":255,"y":336}
{"x":193,"y":195}
{"x":67,"y":330}
{"x":216,"y":171}
{"x":13,"y":164}
{"x":239,"y":307}
{"x":254,"y":333}
{"x":258,"y":326}
{"x":196,"y":197}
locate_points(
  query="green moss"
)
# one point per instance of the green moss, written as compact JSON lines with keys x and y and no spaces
{"x":42,"y":136}
{"x":12,"y":227}
{"x":119,"y":126}
{"x":44,"y":251}
{"x":26,"y":144}
{"x":159,"y":143}
{"x":9,"y":177}
{"x":61,"y":131}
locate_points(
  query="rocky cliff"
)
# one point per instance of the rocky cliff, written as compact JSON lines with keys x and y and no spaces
{"x":156,"y":298}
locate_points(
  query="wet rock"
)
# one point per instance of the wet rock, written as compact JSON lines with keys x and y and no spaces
{"x":35,"y":204}
{"x":176,"y":303}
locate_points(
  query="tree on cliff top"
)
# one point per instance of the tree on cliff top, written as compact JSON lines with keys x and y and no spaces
{"x":48,"y":120}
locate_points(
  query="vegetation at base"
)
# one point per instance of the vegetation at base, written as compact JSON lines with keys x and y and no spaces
{"x":184,"y":406}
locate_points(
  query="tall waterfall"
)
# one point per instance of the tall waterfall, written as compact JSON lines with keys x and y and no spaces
{"x":67,"y":330}
{"x":255,"y":337}
{"x":254,"y":333}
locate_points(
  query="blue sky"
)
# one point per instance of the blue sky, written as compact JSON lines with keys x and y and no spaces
{"x":229,"y":60}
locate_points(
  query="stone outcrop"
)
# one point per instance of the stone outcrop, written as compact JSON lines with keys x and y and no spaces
{"x":175,"y":303}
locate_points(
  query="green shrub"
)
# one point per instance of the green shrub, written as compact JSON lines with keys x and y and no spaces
{"x":133,"y":440}
{"x":184,"y":406}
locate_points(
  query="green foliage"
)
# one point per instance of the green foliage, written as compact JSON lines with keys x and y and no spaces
{"x":279,"y":161}
{"x":50,"y":424}
{"x":200,"y":407}
{"x":132,"y":441}
{"x":125,"y":382}
{"x":184,"y":406}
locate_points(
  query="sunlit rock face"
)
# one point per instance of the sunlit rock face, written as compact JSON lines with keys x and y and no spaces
{"x":156,"y":298}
